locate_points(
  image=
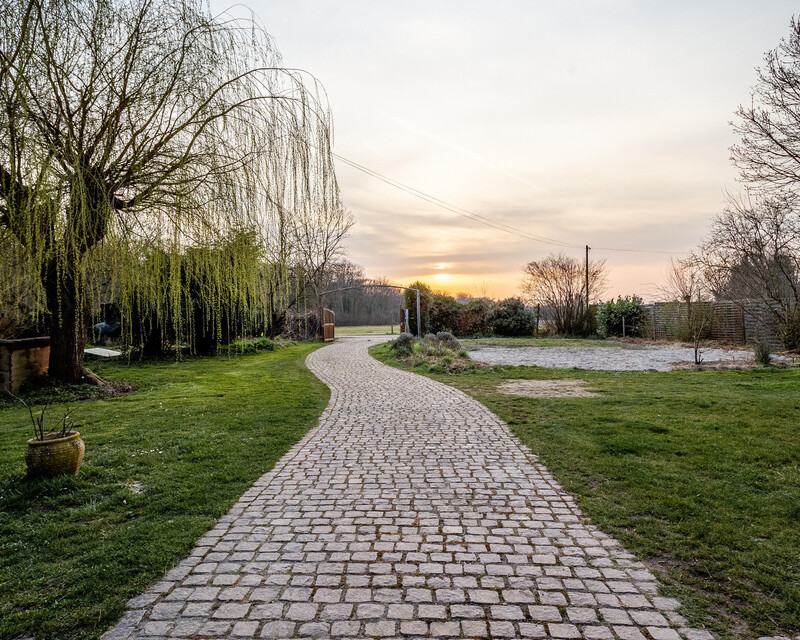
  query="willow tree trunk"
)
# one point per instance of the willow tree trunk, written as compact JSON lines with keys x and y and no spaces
{"x":67,"y":324}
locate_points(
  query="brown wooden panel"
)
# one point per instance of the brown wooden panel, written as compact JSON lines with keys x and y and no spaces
{"x":328,"y":325}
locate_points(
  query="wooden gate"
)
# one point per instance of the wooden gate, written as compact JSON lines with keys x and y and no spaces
{"x":328,"y":324}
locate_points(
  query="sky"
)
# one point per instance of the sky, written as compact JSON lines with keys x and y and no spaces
{"x":585,"y":122}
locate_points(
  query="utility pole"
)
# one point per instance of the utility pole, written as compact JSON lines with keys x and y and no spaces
{"x":587,"y":286}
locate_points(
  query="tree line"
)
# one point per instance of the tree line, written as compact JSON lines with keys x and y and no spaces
{"x":358,"y":300}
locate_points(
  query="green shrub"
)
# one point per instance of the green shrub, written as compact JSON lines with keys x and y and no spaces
{"x":509,"y":317}
{"x":265,"y":344}
{"x":447,"y":340}
{"x":442,"y":345}
{"x":610,"y":316}
{"x":248,"y":347}
{"x":762,"y":354}
{"x":473,"y":318}
{"x":410,"y":298}
{"x":403,"y":345}
{"x":442,"y":313}
{"x":790,"y":331}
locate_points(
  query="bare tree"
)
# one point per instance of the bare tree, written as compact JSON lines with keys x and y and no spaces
{"x":687,"y":282}
{"x":150,"y":123}
{"x":301,"y":252}
{"x":558,"y":284}
{"x":768,"y":155}
{"x":370,"y":301}
{"x":752,"y":252}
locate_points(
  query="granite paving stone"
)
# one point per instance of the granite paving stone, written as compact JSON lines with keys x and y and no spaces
{"x":409,"y":511}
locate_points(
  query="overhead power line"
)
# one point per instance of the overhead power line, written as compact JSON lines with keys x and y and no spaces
{"x":476,"y":217}
{"x":454,"y":208}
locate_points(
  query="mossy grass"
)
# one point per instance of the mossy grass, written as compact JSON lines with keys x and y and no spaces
{"x":161,"y":466}
{"x":697,"y":473}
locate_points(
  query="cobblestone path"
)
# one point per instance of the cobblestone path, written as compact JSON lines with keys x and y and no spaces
{"x":410,"y":511}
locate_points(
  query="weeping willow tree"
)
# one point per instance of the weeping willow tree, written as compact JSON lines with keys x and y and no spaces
{"x":138,"y":137}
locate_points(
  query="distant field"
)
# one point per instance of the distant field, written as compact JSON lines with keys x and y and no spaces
{"x":368,"y":330}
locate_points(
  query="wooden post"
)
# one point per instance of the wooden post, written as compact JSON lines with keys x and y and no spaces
{"x":588,"y":323}
{"x":654,"y":321}
{"x":744,"y":327}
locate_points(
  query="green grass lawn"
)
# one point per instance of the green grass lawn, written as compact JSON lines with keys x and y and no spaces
{"x":161,"y":466}
{"x":368,"y":330}
{"x":697,"y":473}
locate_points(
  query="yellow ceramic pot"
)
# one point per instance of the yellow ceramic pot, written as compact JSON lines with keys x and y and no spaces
{"x":55,"y":455}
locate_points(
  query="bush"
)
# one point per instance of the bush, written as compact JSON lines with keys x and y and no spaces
{"x":443,"y":345}
{"x":447,"y":340}
{"x":403,"y":344}
{"x":762,"y":353}
{"x":473,"y":318}
{"x":254,"y":346}
{"x":610,"y":316}
{"x":302,"y":326}
{"x":410,"y":298}
{"x":442,"y":313}
{"x":509,"y":317}
{"x":790,"y":331}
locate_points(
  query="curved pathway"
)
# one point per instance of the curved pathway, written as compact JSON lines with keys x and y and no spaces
{"x":409,"y":511}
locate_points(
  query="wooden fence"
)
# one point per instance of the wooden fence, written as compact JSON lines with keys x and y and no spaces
{"x":730,"y":322}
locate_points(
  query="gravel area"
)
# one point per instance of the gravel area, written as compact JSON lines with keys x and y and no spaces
{"x":654,"y":357}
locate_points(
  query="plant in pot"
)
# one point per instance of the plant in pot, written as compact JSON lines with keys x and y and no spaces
{"x":53,"y":451}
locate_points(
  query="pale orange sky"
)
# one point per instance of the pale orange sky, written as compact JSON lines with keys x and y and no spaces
{"x":598,"y":122}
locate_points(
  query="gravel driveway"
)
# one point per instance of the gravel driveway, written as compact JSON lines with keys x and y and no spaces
{"x":654,"y":357}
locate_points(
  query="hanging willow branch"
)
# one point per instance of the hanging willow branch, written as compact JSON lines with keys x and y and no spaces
{"x":144,"y":144}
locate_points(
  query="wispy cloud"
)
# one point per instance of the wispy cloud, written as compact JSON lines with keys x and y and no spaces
{"x":467,"y":153}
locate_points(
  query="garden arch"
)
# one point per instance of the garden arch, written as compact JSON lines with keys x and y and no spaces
{"x":382,"y":286}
